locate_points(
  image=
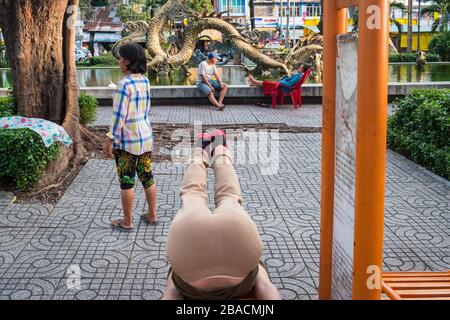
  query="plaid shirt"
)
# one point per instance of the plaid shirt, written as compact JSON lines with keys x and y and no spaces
{"x":130,"y":125}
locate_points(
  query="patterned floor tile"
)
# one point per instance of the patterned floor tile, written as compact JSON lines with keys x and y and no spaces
{"x":41,"y":246}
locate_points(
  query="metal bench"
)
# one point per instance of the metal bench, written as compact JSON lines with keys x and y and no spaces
{"x":416,"y":285}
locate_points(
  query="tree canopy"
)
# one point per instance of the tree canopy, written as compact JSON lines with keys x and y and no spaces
{"x":439,"y":10}
{"x":144,"y":9}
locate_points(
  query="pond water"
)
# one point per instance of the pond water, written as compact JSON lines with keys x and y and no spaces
{"x":98,"y":77}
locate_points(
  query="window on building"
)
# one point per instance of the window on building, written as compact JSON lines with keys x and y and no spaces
{"x":237,"y":7}
{"x":294,"y":11}
{"x":313,"y":10}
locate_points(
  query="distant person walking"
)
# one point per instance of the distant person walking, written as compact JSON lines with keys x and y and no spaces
{"x":131,"y":135}
{"x":207,"y":85}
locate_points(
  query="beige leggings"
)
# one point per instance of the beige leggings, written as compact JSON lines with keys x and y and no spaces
{"x":203,"y":244}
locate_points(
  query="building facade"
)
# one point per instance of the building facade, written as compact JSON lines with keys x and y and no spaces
{"x":421,"y":26}
{"x":297,"y":11}
{"x":238,"y":10}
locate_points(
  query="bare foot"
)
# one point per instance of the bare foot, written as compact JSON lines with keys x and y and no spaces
{"x":120,"y":225}
{"x":150,"y":218}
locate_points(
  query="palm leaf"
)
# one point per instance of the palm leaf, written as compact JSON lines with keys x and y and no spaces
{"x":398,"y":24}
{"x":435,"y":26}
{"x":430,"y":9}
{"x":398,"y":5}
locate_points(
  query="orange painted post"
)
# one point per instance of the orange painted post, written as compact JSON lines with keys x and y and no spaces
{"x":341,"y":4}
{"x":373,"y":58}
{"x":335,"y":22}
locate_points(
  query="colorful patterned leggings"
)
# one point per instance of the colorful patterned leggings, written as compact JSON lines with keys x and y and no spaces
{"x":128,"y":164}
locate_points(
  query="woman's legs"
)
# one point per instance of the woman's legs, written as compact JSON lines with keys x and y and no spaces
{"x":227,"y":183}
{"x":126,"y":170}
{"x":145,"y":173}
{"x":150,"y":196}
{"x":127,"y":197}
{"x":194,"y":209}
{"x":194,"y":180}
{"x":238,"y":231}
{"x":254,"y":82}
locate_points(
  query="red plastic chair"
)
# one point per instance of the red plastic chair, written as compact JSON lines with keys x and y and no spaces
{"x":295,"y":92}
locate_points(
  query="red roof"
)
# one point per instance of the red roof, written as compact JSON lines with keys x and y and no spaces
{"x":104,"y":19}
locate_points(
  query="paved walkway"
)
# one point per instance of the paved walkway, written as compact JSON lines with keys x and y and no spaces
{"x":38,"y":243}
{"x":307,"y":116}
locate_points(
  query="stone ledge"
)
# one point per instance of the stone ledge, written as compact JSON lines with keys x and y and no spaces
{"x":244,"y":92}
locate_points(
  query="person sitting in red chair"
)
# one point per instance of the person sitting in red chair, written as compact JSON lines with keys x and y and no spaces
{"x":286,"y":82}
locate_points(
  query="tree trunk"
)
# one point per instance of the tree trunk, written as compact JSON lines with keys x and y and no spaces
{"x":410,"y":26}
{"x":40,"y":42}
{"x":288,"y":18}
{"x":418,"y":26}
{"x":33,"y":36}
{"x":252,"y":14}
{"x":72,"y":110}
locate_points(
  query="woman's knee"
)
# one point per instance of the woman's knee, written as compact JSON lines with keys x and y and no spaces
{"x":144,"y":170}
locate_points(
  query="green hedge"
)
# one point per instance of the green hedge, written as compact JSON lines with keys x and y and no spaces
{"x":420,"y":129}
{"x":88,"y":108}
{"x":411,"y":57}
{"x":7,"y":106}
{"x":23,"y":155}
{"x":106,"y":60}
{"x":440,"y":44}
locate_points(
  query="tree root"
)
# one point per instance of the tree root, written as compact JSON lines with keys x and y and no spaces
{"x":87,"y":136}
{"x":52,"y":186}
{"x":68,"y":161}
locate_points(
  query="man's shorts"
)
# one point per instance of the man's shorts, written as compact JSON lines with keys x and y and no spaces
{"x":203,"y":87}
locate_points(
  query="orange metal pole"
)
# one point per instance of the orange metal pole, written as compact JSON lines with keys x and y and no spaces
{"x":373,"y":58}
{"x":335,"y":22}
{"x":341,"y":4}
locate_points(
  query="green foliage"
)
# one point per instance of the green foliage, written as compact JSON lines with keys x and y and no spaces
{"x":411,"y":57}
{"x":440,"y":44}
{"x":88,"y":108}
{"x":440,"y":7}
{"x":145,"y":9}
{"x":86,"y":9}
{"x":3,"y":58}
{"x":420,"y":129}
{"x":138,"y":10}
{"x":24,"y":157}
{"x":7,"y":106}
{"x":99,"y":3}
{"x":199,"y":5}
{"x":105,"y":60}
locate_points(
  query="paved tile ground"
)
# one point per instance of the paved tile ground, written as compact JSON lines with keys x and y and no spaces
{"x":307,"y":116}
{"x":38,"y":244}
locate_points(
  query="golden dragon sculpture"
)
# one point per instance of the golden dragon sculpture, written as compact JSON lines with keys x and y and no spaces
{"x":160,"y":59}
